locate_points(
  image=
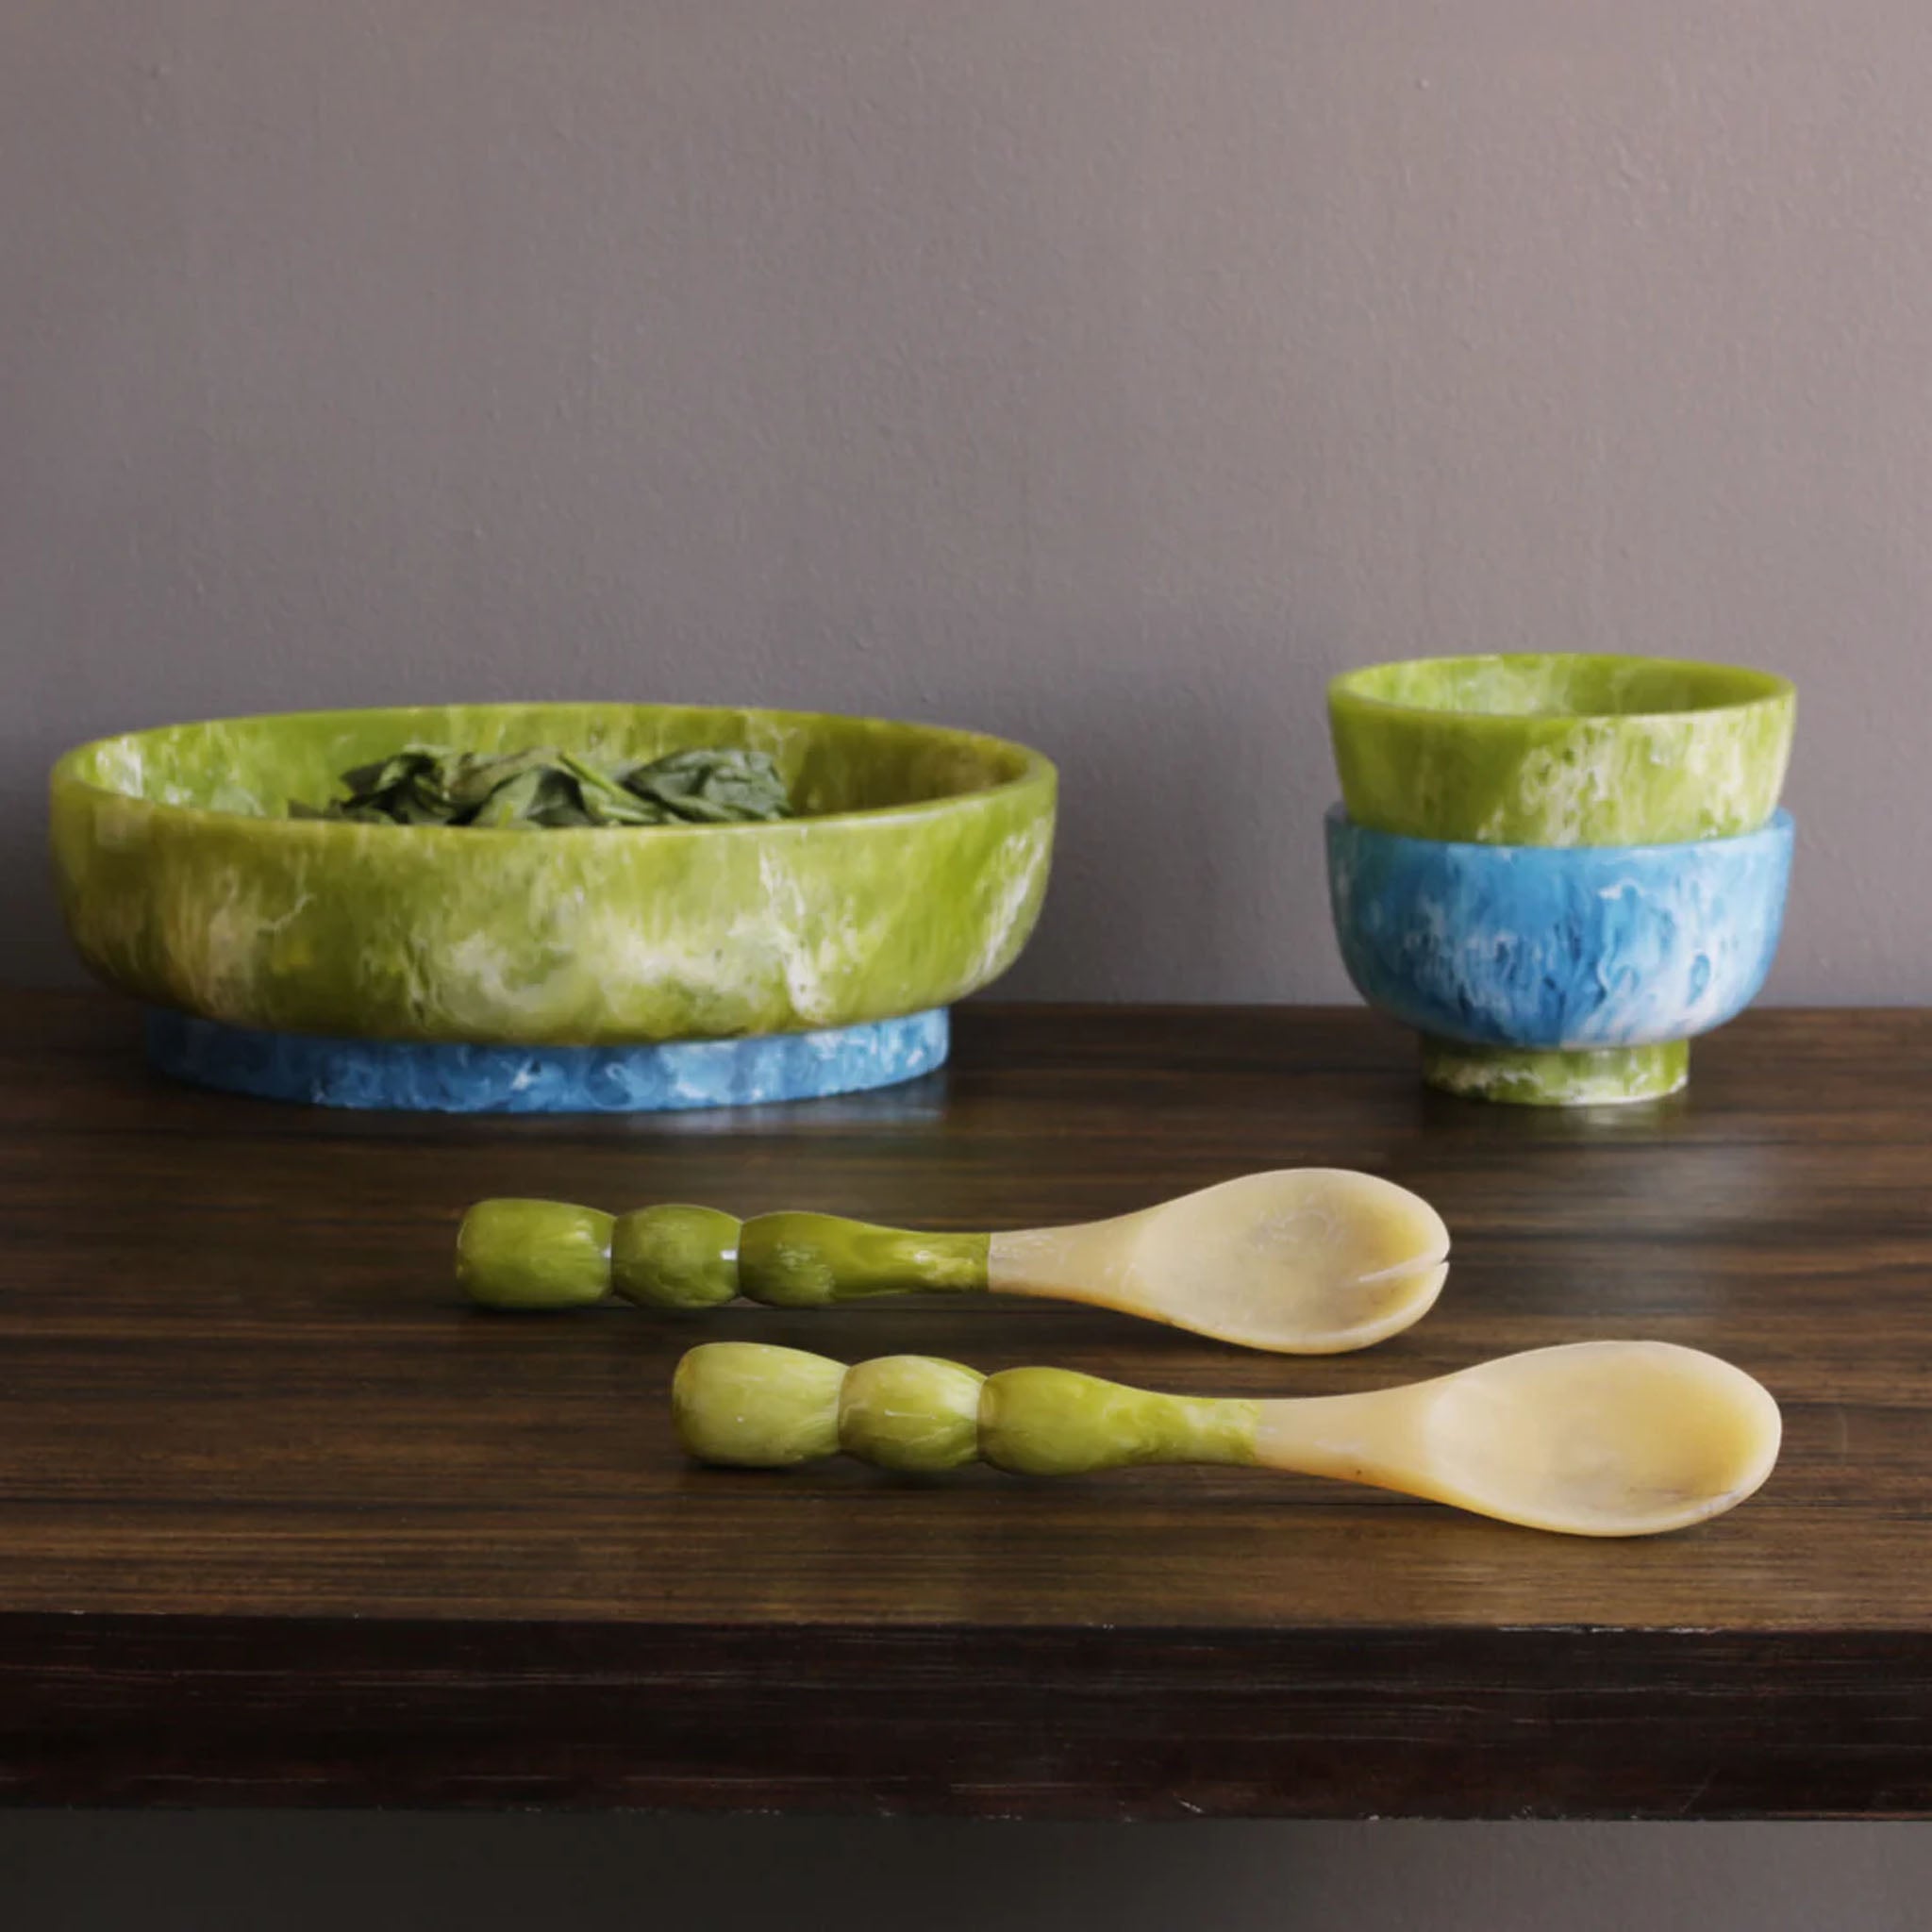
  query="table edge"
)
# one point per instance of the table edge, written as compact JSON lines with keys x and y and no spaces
{"x":1550,"y":1721}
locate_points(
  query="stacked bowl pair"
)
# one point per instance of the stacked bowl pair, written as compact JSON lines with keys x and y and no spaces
{"x":1559,"y":869}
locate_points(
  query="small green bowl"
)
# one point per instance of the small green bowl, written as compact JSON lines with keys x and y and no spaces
{"x":916,"y":877}
{"x":1560,"y":750}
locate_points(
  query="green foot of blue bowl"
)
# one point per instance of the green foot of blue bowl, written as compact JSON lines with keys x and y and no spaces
{"x":1607,"y":1077}
{"x":422,"y":1076}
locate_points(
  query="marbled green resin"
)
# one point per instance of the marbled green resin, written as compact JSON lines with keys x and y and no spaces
{"x":1560,"y":750}
{"x":1055,"y":1422}
{"x":1605,"y":1077}
{"x":513,"y":1253}
{"x":676,"y":1257}
{"x":758,"y":1407}
{"x":915,"y":1412}
{"x":748,"y":1403}
{"x":796,"y":1260}
{"x":680,"y":1257}
{"x":916,"y":877}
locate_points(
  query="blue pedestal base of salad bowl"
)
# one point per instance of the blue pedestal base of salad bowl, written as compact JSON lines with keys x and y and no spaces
{"x":442,"y":1077}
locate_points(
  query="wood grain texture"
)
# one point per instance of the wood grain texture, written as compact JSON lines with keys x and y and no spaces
{"x":282,"y":1521}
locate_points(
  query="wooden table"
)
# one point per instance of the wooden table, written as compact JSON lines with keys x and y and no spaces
{"x":282,"y":1523}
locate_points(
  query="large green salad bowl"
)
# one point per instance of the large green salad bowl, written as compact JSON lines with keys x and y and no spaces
{"x":912,"y":876}
{"x":1560,"y":750}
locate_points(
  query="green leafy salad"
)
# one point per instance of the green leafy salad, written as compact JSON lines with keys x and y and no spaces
{"x":544,"y":789}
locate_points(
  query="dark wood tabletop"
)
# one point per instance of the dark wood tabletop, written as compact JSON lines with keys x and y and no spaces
{"x":283,"y":1521}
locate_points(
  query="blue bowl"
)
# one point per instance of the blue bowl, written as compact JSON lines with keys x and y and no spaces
{"x":1559,"y":974}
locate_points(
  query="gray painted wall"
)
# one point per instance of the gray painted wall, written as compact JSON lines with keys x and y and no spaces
{"x":1105,"y":372}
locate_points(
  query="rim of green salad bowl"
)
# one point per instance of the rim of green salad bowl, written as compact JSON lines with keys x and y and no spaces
{"x":1035,"y":768}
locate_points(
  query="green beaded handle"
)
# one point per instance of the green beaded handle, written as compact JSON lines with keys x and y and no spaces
{"x":760,"y":1407}
{"x":513,"y":1253}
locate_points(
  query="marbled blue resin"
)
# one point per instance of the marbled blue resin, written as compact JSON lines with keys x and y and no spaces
{"x":420,"y":1077}
{"x":1575,"y":948}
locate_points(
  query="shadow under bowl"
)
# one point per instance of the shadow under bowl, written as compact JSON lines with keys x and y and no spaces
{"x":1560,"y":749}
{"x":914,"y":877}
{"x":1558,"y":978}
